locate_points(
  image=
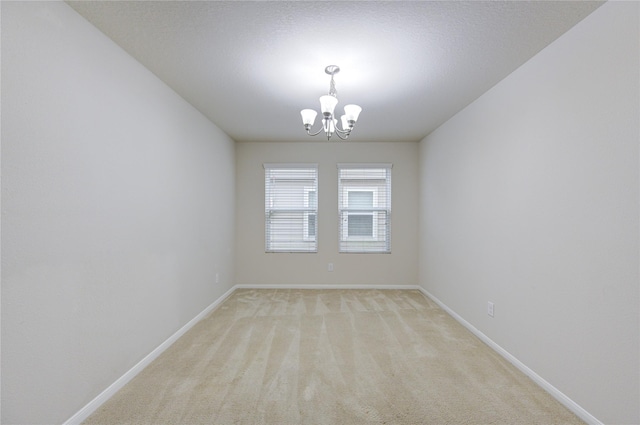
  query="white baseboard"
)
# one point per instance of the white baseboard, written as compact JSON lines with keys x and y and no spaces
{"x":94,"y":404}
{"x":557,"y":394}
{"x":328,"y":286}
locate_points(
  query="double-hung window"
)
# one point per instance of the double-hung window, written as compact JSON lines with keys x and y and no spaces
{"x":291,"y":207}
{"x":364,"y":206}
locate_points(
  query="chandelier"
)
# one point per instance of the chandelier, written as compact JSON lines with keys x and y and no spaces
{"x":327,"y":105}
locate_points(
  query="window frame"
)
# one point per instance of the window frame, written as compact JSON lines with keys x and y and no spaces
{"x":306,"y":243}
{"x":377,"y":243}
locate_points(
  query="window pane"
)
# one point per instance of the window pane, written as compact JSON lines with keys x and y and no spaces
{"x":360,"y":199}
{"x":360,"y":225}
{"x":313,"y":199}
{"x":311,"y":226}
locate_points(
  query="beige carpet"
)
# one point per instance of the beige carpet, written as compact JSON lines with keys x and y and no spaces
{"x":330,"y":357}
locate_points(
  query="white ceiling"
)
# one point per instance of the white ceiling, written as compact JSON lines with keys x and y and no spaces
{"x":252,"y":66}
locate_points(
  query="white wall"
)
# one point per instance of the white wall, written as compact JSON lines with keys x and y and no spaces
{"x":117,"y":211}
{"x":255,"y":267}
{"x":529,"y":199}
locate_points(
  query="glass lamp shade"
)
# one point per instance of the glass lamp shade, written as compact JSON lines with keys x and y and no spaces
{"x":345,"y":122}
{"x":352,"y":112}
{"x":328,"y":104}
{"x":308,"y":116}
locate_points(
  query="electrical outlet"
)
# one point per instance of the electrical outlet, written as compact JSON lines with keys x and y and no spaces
{"x":217,"y":278}
{"x":490,"y":309}
{"x":330,"y":267}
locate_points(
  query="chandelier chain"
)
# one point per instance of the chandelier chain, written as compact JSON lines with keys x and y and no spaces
{"x":332,"y":87}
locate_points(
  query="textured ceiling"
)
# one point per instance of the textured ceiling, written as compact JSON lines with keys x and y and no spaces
{"x":252,"y":66}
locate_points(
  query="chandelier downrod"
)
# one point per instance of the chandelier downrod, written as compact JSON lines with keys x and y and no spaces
{"x":327,"y":105}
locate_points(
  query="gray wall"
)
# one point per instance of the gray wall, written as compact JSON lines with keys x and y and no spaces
{"x":255,"y":267}
{"x":529,"y":199}
{"x":117,"y":211}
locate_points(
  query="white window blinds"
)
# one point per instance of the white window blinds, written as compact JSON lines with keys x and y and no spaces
{"x":291,"y":207}
{"x":364,"y":205}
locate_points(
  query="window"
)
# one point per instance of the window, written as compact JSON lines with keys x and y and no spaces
{"x":291,"y":207}
{"x":364,"y":204}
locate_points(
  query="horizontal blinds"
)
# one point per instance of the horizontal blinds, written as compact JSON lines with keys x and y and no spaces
{"x":364,"y":205}
{"x":291,"y":207}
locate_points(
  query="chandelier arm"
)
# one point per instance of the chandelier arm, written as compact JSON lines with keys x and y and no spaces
{"x":340,"y":137}
{"x":316,"y":133}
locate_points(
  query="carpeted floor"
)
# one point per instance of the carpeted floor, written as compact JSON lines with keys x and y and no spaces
{"x":316,"y":357}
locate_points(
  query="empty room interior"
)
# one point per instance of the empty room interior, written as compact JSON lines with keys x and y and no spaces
{"x":483,"y":208}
